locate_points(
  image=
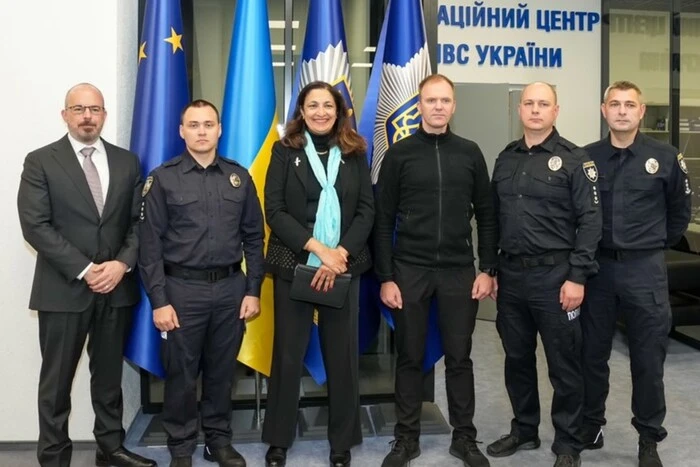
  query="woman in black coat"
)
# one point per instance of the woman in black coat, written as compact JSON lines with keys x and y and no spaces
{"x":318,"y":144}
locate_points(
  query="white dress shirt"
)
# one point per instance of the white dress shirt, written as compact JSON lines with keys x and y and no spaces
{"x":99,"y":157}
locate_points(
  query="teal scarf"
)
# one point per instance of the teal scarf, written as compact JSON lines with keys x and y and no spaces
{"x":327,"y":226}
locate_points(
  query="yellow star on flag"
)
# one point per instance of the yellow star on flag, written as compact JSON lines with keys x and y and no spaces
{"x":142,"y":52}
{"x":175,"y":39}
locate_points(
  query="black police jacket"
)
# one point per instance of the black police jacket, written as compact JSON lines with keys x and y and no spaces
{"x":547,"y":200}
{"x":429,"y":188}
{"x":201,"y":219}
{"x":646,"y":195}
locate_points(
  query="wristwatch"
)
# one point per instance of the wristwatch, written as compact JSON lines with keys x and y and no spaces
{"x":490,"y":271}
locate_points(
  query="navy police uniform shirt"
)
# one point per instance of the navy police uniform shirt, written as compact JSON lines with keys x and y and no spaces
{"x":547,"y":199}
{"x":199,"y":218}
{"x":646,"y":193}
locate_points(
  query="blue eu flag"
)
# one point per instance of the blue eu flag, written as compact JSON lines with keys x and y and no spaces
{"x":391,"y":112}
{"x":161,"y":94}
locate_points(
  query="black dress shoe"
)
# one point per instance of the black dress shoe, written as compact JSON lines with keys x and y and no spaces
{"x":340,"y":459}
{"x":122,"y":458}
{"x":181,"y":462}
{"x":225,"y":456}
{"x":510,"y":443}
{"x":276,"y":457}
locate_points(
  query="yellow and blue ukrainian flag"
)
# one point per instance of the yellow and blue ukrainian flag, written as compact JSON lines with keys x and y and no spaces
{"x":161,"y":94}
{"x":390,"y":112}
{"x":249,"y":128}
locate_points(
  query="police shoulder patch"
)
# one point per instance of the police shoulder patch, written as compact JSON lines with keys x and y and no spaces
{"x":681,"y":163}
{"x":590,"y":170}
{"x":147,"y":186}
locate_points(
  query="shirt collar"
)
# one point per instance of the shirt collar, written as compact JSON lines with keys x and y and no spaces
{"x":637,"y":146}
{"x":189,"y":162}
{"x":549,"y":143}
{"x":79,"y":146}
{"x":633,"y":149}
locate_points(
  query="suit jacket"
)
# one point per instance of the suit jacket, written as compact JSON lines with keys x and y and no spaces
{"x":60,"y":221}
{"x":285,"y":207}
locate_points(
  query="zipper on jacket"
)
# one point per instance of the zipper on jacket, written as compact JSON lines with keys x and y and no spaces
{"x":439,"y":167}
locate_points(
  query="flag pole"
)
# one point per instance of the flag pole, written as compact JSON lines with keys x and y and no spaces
{"x":257,"y":416}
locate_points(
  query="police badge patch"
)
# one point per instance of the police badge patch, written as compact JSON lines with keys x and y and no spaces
{"x":651,"y":166}
{"x":554,"y":163}
{"x":235,"y":180}
{"x":591,"y":171}
{"x":681,"y":163}
{"x":147,"y":186}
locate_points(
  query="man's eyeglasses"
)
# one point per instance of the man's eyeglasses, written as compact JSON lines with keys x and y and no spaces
{"x":80,"y":109}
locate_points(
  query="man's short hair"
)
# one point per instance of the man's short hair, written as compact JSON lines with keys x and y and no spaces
{"x":199,"y":103}
{"x":621,"y":86}
{"x":435,"y":77}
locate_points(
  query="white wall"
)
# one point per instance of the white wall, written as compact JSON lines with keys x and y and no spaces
{"x":577,"y":80}
{"x":50,"y":46}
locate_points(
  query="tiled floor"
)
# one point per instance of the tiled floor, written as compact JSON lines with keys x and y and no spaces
{"x":493,"y":414}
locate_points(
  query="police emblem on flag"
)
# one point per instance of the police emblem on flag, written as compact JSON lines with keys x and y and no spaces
{"x":343,"y":87}
{"x":403,"y":122}
{"x":591,"y":171}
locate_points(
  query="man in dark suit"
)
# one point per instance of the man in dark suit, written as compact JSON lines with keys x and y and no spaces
{"x":78,"y":207}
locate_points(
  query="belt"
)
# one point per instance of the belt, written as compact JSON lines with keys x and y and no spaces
{"x":546,"y":259}
{"x":209,"y":275}
{"x":621,"y":255}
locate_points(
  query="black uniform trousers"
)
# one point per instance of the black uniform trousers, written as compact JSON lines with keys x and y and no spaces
{"x":457,"y":317}
{"x":339,"y":346}
{"x":62,"y":337}
{"x":208,"y":340}
{"x":528,"y":302}
{"x":637,"y":289}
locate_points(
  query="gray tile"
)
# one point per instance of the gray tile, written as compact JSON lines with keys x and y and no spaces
{"x":492,"y":418}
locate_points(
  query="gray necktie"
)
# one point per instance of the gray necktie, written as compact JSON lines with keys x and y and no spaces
{"x":93,"y":178}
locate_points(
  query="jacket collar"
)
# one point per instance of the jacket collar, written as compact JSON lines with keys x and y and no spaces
{"x":433,"y":138}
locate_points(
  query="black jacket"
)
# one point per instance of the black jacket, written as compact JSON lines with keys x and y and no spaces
{"x":200,"y":219}
{"x":60,"y":221}
{"x":548,"y":200}
{"x":429,"y":188}
{"x":286,"y":214}
{"x":646,"y":205}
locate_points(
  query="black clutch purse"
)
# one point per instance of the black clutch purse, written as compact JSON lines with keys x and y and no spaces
{"x":302,"y":290}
